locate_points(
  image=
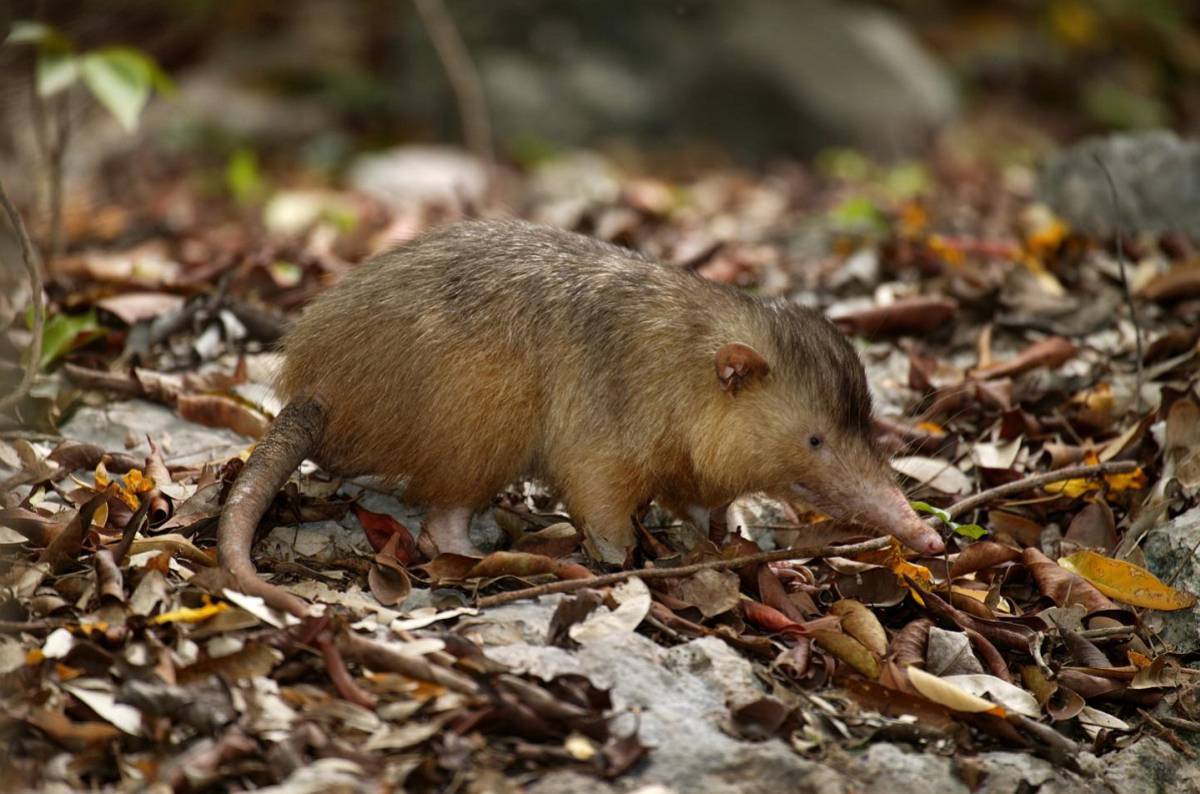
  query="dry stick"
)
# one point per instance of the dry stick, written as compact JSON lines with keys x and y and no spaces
{"x":462,"y":74}
{"x":1137,"y":328}
{"x":1037,"y":481}
{"x":875,"y":544}
{"x":29,"y":255}
{"x":566,"y":586}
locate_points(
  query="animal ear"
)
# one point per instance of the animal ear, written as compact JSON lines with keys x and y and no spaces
{"x":738,"y":366}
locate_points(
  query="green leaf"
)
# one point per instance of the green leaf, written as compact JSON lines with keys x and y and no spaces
{"x":973,"y":531}
{"x":28,"y":32}
{"x":243,"y":177}
{"x":858,"y":212}
{"x":64,"y":332}
{"x":120,"y":80}
{"x":57,"y":70}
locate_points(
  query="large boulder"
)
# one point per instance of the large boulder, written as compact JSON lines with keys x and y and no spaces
{"x":1156,"y":175}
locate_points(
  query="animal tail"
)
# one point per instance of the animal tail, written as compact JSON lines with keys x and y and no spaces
{"x":293,"y":435}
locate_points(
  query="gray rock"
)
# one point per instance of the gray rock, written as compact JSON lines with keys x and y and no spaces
{"x":1150,"y":764}
{"x":851,"y":73}
{"x":1167,"y":548}
{"x":680,"y":696}
{"x":757,"y":77}
{"x":1027,"y":772}
{"x":1157,"y":177}
{"x":189,"y":443}
{"x":411,"y":176}
{"x":887,"y":768}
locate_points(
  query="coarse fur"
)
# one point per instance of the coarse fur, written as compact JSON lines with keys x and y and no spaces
{"x":487,"y":350}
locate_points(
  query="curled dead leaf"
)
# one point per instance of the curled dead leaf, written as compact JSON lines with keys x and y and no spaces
{"x":949,"y":695}
{"x":861,"y":624}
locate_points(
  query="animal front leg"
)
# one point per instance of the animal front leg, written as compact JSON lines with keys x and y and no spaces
{"x":605,"y":517}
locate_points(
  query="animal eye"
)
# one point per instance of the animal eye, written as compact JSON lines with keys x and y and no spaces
{"x":815,"y":442}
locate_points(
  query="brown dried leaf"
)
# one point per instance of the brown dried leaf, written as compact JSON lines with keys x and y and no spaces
{"x":712,"y":592}
{"x":387,"y":577}
{"x":1093,"y":527}
{"x":982,"y":555}
{"x":1049,"y":353}
{"x":217,"y":410}
{"x":1178,"y":283}
{"x":759,"y":719}
{"x":849,"y":650}
{"x":908,"y":645}
{"x":1063,"y":587}
{"x":252,"y":661}
{"x":916,"y":316}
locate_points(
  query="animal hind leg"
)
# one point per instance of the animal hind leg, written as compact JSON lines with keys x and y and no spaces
{"x":449,"y":527}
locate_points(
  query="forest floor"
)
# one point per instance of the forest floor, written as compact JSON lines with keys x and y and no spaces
{"x":1052,"y":648}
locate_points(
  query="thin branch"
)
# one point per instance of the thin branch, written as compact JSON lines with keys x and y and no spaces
{"x":570,"y":585}
{"x":1133,"y":317}
{"x":58,"y":150}
{"x":1037,"y":481}
{"x":29,"y":256}
{"x":462,"y":74}
{"x":875,"y":544}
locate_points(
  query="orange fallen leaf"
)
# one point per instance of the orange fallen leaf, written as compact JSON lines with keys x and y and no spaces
{"x":1126,"y":582}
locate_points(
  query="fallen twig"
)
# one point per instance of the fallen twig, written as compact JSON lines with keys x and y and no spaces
{"x":875,"y":544}
{"x":1133,"y":317}
{"x":29,"y":256}
{"x":567,"y":586}
{"x":462,"y":74}
{"x":1037,"y":481}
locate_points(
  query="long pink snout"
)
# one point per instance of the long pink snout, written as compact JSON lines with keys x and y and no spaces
{"x":885,"y":510}
{"x":893,"y":515}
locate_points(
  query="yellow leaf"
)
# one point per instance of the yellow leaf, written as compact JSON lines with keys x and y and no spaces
{"x":191,"y":615}
{"x":34,"y":657}
{"x":137,"y":482}
{"x":950,"y":254}
{"x":102,"y":478}
{"x":1072,"y":488}
{"x":913,"y":219}
{"x":66,"y":672}
{"x":100,"y":517}
{"x":932,"y":427}
{"x":1074,"y":22}
{"x":1138,"y":660}
{"x":1126,"y":582}
{"x":949,"y":695}
{"x":918,"y":573}
{"x":1046,"y":237}
{"x":1126,"y":481}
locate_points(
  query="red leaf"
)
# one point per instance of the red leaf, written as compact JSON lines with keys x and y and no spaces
{"x":380,"y":527}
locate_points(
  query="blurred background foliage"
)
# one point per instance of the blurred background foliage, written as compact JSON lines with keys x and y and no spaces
{"x":354,"y":74}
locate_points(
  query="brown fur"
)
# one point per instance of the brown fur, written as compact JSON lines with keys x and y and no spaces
{"x":487,"y":350}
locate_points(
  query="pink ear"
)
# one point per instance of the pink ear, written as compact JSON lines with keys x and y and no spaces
{"x":738,"y":366}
